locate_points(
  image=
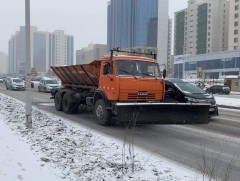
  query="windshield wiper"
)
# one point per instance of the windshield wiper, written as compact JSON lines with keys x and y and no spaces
{"x":128,"y":73}
{"x":148,"y":74}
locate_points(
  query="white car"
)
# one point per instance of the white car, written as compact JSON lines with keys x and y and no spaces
{"x":47,"y":84}
{"x":15,"y":84}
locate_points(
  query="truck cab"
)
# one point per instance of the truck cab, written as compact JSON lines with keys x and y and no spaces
{"x":131,"y":78}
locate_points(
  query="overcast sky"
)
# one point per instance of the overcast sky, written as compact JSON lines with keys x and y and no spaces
{"x":86,"y":20}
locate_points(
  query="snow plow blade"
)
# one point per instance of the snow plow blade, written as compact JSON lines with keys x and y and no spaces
{"x":163,"y":113}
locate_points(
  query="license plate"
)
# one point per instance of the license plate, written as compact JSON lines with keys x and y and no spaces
{"x":211,"y":109}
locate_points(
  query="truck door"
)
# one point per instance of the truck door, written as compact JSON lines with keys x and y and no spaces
{"x":108,"y":81}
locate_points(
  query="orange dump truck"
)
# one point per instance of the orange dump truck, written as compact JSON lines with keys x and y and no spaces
{"x":128,"y":88}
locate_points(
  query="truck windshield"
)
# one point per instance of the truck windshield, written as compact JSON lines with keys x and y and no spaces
{"x":137,"y":68}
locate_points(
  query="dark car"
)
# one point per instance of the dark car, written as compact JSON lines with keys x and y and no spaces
{"x":221,"y":89}
{"x":32,"y":83}
{"x":178,"y":90}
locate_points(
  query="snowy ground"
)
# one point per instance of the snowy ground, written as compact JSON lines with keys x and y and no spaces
{"x":55,"y":149}
{"x":232,"y":102}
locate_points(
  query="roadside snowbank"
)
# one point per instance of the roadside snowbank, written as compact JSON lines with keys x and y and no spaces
{"x":231,"y":102}
{"x":54,"y":147}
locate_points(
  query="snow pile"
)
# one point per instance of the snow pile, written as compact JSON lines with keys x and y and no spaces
{"x":76,"y":153}
{"x":231,"y":102}
{"x":18,"y":162}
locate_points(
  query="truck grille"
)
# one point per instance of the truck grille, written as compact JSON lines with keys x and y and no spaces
{"x":136,"y":96}
{"x":139,"y":96}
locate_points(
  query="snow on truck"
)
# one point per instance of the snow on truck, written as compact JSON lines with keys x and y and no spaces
{"x":128,"y":88}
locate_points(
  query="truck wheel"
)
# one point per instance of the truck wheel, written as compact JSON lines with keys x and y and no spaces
{"x":68,"y":106}
{"x":58,"y":101}
{"x":102,"y":115}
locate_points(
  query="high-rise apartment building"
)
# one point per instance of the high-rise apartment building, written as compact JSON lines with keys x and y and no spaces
{"x":163,"y":33}
{"x":17,"y":51}
{"x":47,"y":49}
{"x":169,"y":65}
{"x":61,"y":48}
{"x":234,"y":25}
{"x":92,"y":52}
{"x":202,"y":27}
{"x":3,"y":63}
{"x":40,"y":51}
{"x":129,"y":22}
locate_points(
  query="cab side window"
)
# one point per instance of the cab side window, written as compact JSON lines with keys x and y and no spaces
{"x":108,"y":68}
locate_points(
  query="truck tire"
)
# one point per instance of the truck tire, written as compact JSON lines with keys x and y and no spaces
{"x":58,"y":101}
{"x":102,"y":115}
{"x":68,"y":106}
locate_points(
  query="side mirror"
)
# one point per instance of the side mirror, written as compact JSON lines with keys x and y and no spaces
{"x":164,"y":73}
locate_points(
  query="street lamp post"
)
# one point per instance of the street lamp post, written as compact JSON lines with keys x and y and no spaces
{"x":28,"y":65}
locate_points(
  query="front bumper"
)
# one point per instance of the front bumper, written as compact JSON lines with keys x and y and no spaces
{"x":162,"y":113}
{"x":18,"y":88}
{"x":213,"y":110}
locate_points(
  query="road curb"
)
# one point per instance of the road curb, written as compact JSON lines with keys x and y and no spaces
{"x":230,"y":107}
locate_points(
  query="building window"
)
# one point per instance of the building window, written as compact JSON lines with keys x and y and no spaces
{"x":236,"y":83}
{"x":236,"y":0}
{"x":208,"y":39}
{"x":235,"y":40}
{"x":235,"y":47}
{"x":236,"y":15}
{"x":235,"y":32}
{"x":235,"y":23}
{"x":237,"y":7}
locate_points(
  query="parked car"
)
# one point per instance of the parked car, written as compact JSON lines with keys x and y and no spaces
{"x":221,"y":89}
{"x":3,"y":80}
{"x":47,"y":84}
{"x":178,"y":90}
{"x":15,"y":84}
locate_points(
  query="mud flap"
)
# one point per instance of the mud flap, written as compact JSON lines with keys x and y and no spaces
{"x":163,"y":113}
